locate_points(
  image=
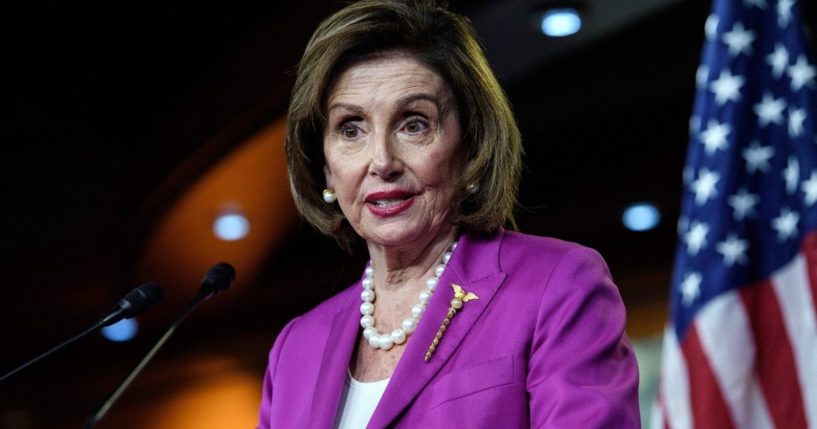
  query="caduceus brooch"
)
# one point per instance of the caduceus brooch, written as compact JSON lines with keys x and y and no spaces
{"x":460,"y":297}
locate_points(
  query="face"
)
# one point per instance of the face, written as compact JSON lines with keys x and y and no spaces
{"x":392,"y":150}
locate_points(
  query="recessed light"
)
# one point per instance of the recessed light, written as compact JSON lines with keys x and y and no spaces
{"x":231,"y":227}
{"x":641,"y":217}
{"x":561,"y":22}
{"x":123,"y":330}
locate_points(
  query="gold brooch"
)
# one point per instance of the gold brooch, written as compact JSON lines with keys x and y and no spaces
{"x":460,"y":297}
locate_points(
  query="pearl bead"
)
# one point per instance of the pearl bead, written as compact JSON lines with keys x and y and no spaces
{"x":456,"y":303}
{"x":385,"y":342}
{"x":409,"y":325}
{"x":454,"y":246}
{"x":398,"y":336}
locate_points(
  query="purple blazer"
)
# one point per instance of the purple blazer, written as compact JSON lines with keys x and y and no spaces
{"x":543,"y":346}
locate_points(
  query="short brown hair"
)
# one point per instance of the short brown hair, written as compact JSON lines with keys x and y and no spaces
{"x":446,"y":43}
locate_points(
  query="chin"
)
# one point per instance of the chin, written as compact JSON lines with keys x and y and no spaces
{"x":395,"y":234}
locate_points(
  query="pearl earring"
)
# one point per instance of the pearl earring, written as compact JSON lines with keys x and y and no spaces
{"x":329,"y":195}
{"x":472,"y":188}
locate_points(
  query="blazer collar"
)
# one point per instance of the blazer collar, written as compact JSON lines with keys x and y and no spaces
{"x":475,"y":267}
{"x":337,"y":354}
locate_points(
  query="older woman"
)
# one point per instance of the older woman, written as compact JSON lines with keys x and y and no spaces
{"x":400,"y":135}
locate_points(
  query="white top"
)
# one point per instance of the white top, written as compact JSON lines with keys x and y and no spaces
{"x":358,"y":402}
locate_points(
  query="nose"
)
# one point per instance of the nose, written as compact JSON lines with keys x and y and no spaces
{"x":385,"y":162}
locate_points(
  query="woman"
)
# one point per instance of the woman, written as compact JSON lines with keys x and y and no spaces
{"x":400,"y":135}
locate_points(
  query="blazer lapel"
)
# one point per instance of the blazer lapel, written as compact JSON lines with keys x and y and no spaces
{"x":475,"y":268}
{"x":335,"y":364}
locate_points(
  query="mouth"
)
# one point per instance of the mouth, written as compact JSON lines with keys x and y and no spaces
{"x":389,"y":202}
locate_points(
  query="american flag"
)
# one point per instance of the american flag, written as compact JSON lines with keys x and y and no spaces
{"x":740,"y":349}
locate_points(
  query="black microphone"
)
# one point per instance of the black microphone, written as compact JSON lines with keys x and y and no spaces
{"x":217,"y":279}
{"x":132,"y":304}
{"x":135,"y":302}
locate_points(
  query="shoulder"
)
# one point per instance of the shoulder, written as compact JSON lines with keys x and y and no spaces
{"x":543,"y":254}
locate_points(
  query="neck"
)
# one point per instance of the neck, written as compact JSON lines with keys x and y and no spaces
{"x":395,"y":267}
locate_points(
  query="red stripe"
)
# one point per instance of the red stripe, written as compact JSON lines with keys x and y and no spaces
{"x":774,"y":360}
{"x":810,"y":252}
{"x":709,"y":410}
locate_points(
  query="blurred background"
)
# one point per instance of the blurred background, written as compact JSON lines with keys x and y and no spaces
{"x":144,"y":143}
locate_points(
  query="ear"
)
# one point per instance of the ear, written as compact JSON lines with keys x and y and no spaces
{"x":328,"y":176}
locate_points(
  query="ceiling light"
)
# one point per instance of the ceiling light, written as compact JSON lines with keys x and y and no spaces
{"x":123,"y":330}
{"x":641,"y":217}
{"x":231,"y":227}
{"x":561,"y":22}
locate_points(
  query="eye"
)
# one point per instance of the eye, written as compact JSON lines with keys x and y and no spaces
{"x":416,"y":125}
{"x":349,"y":130}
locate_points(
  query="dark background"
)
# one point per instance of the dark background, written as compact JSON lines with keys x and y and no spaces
{"x":114,"y":112}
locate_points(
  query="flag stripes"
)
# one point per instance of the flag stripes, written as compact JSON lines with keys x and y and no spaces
{"x":775,"y":359}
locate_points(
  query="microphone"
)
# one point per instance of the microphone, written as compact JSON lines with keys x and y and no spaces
{"x":217,"y":279}
{"x":131,"y":305}
{"x":134,"y":303}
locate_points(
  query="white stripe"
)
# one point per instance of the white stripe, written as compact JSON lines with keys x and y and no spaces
{"x":791,"y":284}
{"x":726,"y":339}
{"x":674,"y":388}
{"x":656,"y":418}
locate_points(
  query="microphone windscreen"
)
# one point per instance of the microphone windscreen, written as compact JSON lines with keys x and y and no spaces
{"x":140,"y":299}
{"x":217,"y":279}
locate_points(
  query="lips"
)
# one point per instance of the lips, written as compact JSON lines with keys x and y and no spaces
{"x":389,"y":203}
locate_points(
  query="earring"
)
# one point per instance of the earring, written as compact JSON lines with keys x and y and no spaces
{"x":472,"y":188}
{"x":329,"y":195}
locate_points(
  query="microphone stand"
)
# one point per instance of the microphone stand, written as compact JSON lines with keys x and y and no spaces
{"x":132,"y":304}
{"x":103,"y":409}
{"x":52,"y":350}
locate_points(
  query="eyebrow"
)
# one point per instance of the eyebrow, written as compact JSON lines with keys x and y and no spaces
{"x":402,"y":102}
{"x":351,"y":107}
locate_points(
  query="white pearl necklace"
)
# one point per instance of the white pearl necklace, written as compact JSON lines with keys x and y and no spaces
{"x":398,"y":336}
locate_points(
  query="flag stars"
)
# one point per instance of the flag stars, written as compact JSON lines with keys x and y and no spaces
{"x":690,"y":288}
{"x":784,"y":12}
{"x":791,"y":174}
{"x":714,"y":136}
{"x":711,"y":26}
{"x":696,"y":237}
{"x":757,"y":157}
{"x":743,"y":204}
{"x":770,"y":110}
{"x":733,"y":250}
{"x":809,"y":187}
{"x":785,"y":224}
{"x":778,"y":60}
{"x":695,"y":125}
{"x":701,"y":76}
{"x":796,"y":119}
{"x":727,"y":87}
{"x":739,"y":40}
{"x":801,"y":73}
{"x":704,"y":186}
